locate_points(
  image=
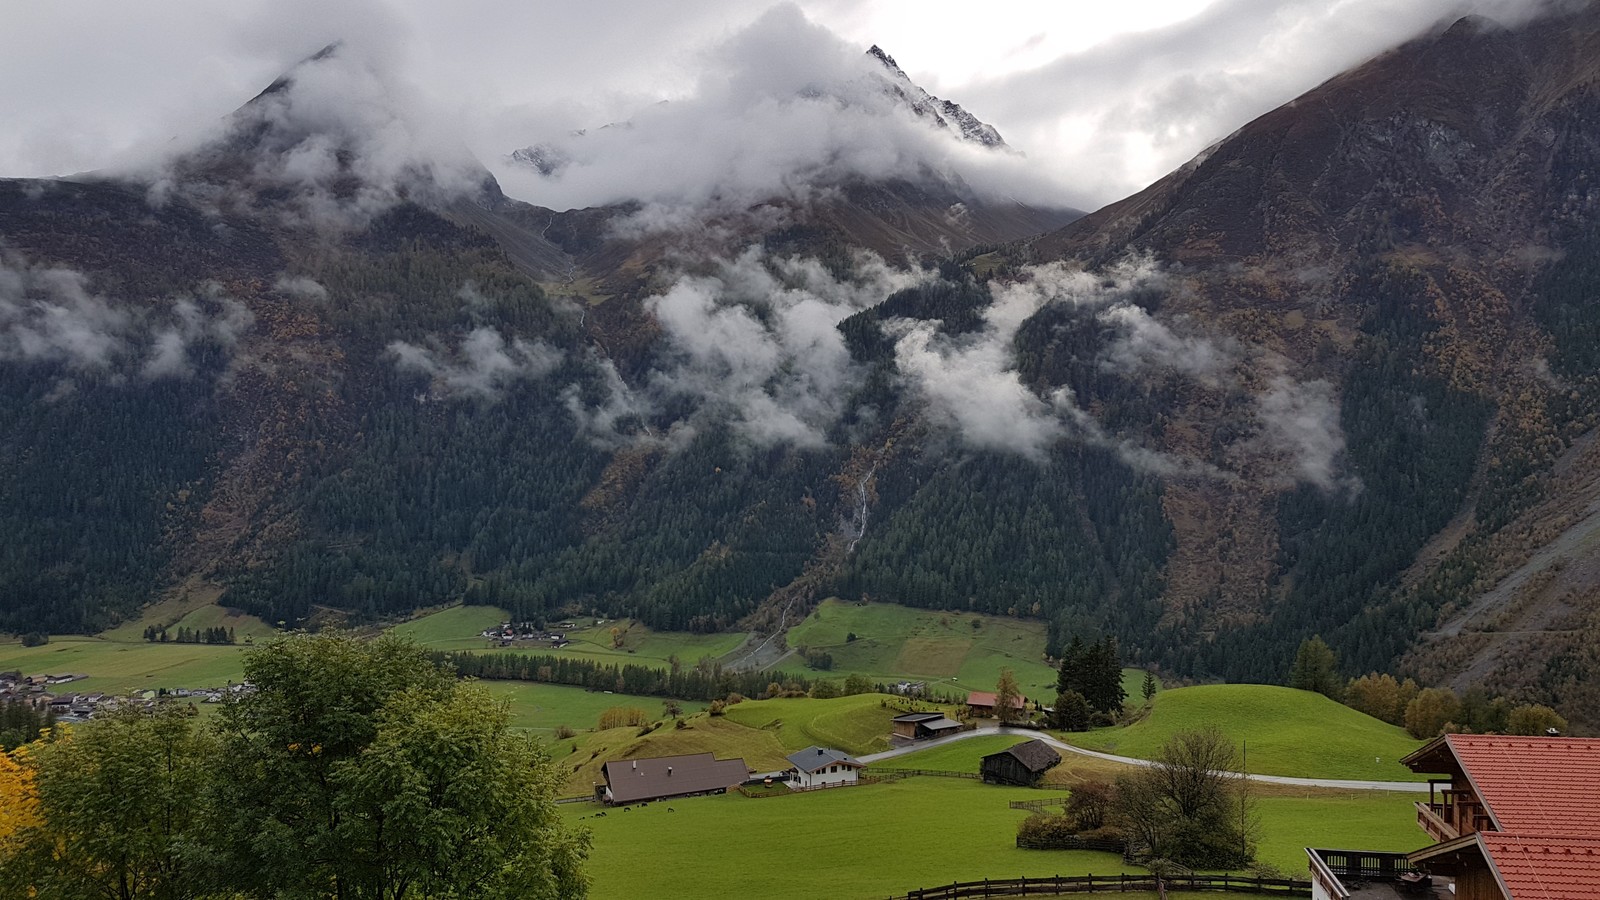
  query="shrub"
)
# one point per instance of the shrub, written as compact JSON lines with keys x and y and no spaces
{"x":563,"y":732}
{"x":620,"y":716}
{"x":1048,"y":830}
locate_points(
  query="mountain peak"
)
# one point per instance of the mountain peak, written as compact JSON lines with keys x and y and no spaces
{"x":945,"y":113}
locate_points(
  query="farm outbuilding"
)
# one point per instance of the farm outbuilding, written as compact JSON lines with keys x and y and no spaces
{"x":917,"y":726}
{"x":1023,"y":764}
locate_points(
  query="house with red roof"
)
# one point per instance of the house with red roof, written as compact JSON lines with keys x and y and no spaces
{"x":981,"y":703}
{"x":1515,"y":818}
{"x":1511,"y":818}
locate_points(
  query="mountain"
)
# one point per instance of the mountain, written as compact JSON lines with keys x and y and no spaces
{"x":1417,"y":232}
{"x":1336,"y":375}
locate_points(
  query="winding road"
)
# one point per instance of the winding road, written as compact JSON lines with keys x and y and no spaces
{"x":1406,"y":786}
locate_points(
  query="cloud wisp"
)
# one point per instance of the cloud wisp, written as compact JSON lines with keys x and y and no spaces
{"x":49,"y":316}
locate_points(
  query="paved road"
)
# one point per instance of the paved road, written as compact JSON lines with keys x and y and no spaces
{"x":1408,"y":786}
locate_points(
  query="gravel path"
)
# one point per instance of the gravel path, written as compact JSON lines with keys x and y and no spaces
{"x":1407,"y":786}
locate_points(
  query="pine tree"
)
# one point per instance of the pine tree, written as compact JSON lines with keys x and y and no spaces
{"x":1149,"y":687}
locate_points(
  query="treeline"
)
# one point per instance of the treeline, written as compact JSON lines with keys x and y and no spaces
{"x":1423,"y":712}
{"x":355,"y":769}
{"x":215,"y":635}
{"x":1089,"y":685}
{"x":703,"y":681}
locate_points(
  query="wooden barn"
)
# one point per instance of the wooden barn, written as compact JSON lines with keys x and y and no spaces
{"x":919,"y":726}
{"x":1022,"y":765}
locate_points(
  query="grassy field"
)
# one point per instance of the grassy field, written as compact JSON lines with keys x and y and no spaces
{"x":869,"y":841}
{"x":898,"y":642}
{"x":1286,"y":732}
{"x":458,"y":627}
{"x":888,"y":838}
{"x":119,"y":666}
{"x":857,"y":724}
{"x":540,"y":708}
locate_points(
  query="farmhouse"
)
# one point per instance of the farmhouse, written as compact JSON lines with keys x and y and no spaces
{"x":659,"y":778}
{"x":917,"y":726}
{"x":816,"y":767}
{"x":1513,"y":818}
{"x":1023,"y":764}
{"x":981,"y":703}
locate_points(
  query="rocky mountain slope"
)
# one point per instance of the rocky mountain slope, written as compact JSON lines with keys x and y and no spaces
{"x":1337,"y":375}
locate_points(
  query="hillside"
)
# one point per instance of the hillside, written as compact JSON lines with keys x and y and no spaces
{"x":1335,"y":376}
{"x":1282,"y":731}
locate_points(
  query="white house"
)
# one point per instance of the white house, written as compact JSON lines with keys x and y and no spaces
{"x":816,"y":767}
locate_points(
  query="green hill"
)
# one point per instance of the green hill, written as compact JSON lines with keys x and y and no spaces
{"x":1284,"y":731}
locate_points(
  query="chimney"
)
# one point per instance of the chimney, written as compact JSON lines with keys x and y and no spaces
{"x":669,"y":770}
{"x":636,"y":764}
{"x":819,"y":751}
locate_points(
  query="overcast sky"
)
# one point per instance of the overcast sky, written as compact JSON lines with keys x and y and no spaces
{"x":1101,"y":97}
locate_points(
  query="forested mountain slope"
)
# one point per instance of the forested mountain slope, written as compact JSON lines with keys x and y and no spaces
{"x":1333,"y":376}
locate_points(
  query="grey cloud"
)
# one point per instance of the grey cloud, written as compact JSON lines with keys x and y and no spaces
{"x":758,"y":339}
{"x":1301,"y":420}
{"x":300,"y":286}
{"x":783,"y":108}
{"x":50,"y":315}
{"x":482,"y":365}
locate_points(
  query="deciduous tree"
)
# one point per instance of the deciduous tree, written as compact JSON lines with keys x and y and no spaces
{"x":1007,"y":697}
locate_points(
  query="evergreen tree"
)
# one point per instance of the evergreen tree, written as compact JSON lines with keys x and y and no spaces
{"x":1149,"y":687}
{"x":1316,"y":669}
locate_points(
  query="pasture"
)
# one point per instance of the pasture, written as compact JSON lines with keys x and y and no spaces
{"x":1285,"y":732}
{"x":953,"y":651}
{"x":119,"y":666}
{"x":884,"y":839}
{"x":857,"y":724}
{"x":459,"y":627}
{"x":541,"y":708}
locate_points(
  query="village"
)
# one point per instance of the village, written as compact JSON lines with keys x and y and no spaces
{"x":49,"y":693}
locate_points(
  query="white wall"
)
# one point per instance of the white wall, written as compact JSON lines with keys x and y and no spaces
{"x":842,"y":774}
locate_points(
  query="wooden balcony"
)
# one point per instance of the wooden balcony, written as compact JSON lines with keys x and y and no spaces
{"x":1431,"y":819}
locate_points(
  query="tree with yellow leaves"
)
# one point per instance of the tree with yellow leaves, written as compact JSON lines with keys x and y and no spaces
{"x":18,"y":797}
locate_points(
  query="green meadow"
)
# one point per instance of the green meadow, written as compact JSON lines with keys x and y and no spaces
{"x":884,"y":839}
{"x":857,"y":724}
{"x":1283,"y":732}
{"x":120,"y":666}
{"x":459,"y":628}
{"x":953,"y":652}
{"x":542,"y":708}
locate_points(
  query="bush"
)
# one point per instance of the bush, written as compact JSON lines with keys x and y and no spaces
{"x":563,"y":732}
{"x":35,"y":639}
{"x":1090,"y":803}
{"x":1048,"y":830}
{"x":620,"y":716}
{"x":717,"y":708}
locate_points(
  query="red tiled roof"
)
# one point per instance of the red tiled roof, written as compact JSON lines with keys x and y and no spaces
{"x":1539,"y":867}
{"x":986,"y":698}
{"x":1535,"y":785}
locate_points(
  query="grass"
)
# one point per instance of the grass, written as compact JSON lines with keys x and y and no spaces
{"x":1285,"y":731}
{"x":889,"y":838}
{"x":857,"y":724}
{"x":587,"y":753}
{"x":957,"y":756}
{"x":453,"y":628}
{"x":459,"y":627}
{"x":898,"y":642}
{"x":120,"y":666}
{"x":541,"y":708}
{"x":869,"y":841}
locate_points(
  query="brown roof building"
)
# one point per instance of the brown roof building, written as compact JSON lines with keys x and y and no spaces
{"x":1023,"y":764}
{"x":663,"y":777}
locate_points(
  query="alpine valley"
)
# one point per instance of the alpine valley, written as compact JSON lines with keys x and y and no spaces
{"x":1338,"y":375}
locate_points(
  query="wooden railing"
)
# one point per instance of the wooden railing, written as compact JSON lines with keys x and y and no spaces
{"x":1056,"y":885}
{"x":1364,"y":865}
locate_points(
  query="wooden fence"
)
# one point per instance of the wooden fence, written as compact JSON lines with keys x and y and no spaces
{"x":1073,"y":842}
{"x":904,"y":773}
{"x":1056,"y":885}
{"x":1041,"y":804}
